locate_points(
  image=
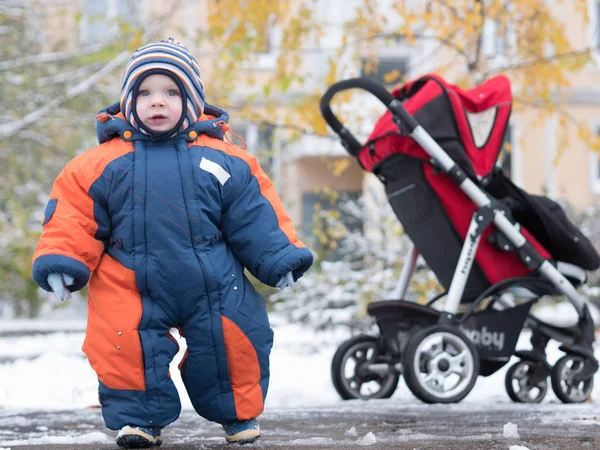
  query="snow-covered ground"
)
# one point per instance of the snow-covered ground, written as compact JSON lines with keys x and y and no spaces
{"x":49,"y":371}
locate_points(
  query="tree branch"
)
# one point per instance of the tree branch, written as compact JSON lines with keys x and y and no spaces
{"x":532,"y":102}
{"x":547,"y":105}
{"x":524,"y":64}
{"x":12,"y":10}
{"x":11,"y":128}
{"x":68,"y":77}
{"x":452,"y":9}
{"x":289,"y":126}
{"x":444,"y":41}
{"x":41,"y":138}
{"x":49,"y":57}
{"x":475,"y":62}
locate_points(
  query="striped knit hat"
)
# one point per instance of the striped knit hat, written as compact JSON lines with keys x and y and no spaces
{"x":166,"y":55}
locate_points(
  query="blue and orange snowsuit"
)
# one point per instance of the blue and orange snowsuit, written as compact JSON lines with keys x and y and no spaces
{"x":166,"y":228}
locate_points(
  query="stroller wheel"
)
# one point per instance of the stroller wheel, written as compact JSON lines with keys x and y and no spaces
{"x":357,"y":370}
{"x":564,"y":383}
{"x":440,"y":365}
{"x":521,"y":385}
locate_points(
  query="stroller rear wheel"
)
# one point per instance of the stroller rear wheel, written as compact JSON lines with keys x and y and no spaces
{"x":521,"y":385}
{"x":359,"y":371}
{"x":564,"y":383}
{"x":440,"y":365}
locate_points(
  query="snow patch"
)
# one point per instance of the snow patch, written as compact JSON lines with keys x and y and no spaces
{"x":312,"y":441}
{"x":594,"y":421}
{"x":562,"y":314}
{"x":517,"y":447}
{"x":510,"y":431}
{"x":351,"y":432}
{"x":300,"y":371}
{"x":52,"y":368}
{"x":367,"y":439}
{"x":89,"y":438}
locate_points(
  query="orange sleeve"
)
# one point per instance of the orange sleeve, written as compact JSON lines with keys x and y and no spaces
{"x":68,"y":243}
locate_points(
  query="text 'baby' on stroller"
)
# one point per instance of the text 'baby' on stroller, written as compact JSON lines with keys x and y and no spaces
{"x":481,"y":235}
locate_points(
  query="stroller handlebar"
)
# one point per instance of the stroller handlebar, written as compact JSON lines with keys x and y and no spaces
{"x":378,"y":90}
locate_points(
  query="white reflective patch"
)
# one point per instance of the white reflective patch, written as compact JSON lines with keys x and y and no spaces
{"x":481,"y":124}
{"x":215,"y":169}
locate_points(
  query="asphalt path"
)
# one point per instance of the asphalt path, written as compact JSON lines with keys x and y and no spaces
{"x":381,"y":424}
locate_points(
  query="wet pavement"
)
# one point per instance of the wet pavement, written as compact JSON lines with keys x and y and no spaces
{"x":382,"y":424}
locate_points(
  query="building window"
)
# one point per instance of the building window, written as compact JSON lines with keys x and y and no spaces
{"x":510,"y":157}
{"x":102,"y":18}
{"x":506,"y":153}
{"x":95,"y":24}
{"x":265,"y":136}
{"x":594,"y":27}
{"x":387,"y":70}
{"x":493,"y":39}
{"x":265,"y":147}
{"x":596,"y":23}
{"x":264,"y":35}
{"x":595,"y":172}
{"x":595,"y":168}
{"x":326,"y":220}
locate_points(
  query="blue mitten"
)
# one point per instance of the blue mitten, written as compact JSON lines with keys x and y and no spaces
{"x":59,"y":282}
{"x":286,"y":281}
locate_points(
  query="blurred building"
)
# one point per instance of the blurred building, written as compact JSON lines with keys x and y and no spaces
{"x":537,"y":161}
{"x":303,"y":167}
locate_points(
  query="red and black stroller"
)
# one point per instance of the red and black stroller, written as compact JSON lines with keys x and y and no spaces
{"x":481,"y":235}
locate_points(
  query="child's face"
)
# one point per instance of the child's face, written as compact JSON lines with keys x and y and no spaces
{"x":159,"y":103}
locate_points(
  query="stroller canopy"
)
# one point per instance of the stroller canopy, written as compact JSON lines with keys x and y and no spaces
{"x":468,"y":124}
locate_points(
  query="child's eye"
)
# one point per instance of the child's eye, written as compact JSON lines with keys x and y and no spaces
{"x":172,"y":92}
{"x":143,"y":93}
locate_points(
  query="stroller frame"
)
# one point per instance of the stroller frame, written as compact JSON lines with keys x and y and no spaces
{"x":489,"y":210}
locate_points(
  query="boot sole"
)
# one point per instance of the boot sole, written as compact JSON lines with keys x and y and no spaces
{"x":137,"y":441}
{"x":243,"y":439}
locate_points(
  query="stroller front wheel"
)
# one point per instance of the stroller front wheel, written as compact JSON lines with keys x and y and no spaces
{"x":359,"y":370}
{"x":565,"y":384}
{"x":521,"y":383}
{"x":440,"y":364}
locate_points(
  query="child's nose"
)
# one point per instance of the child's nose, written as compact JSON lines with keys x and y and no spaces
{"x":157,"y":100}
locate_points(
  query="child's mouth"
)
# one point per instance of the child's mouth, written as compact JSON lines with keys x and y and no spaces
{"x":158,"y":118}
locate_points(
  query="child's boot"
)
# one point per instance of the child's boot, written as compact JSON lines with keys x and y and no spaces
{"x":139,"y":437}
{"x":242,"y":432}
